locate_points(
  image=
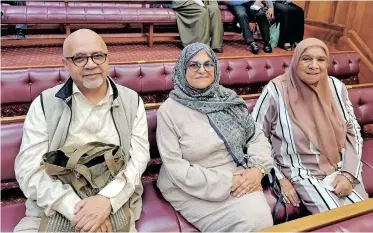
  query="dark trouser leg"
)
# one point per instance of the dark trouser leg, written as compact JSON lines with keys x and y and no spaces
{"x":20,"y":28}
{"x":243,"y":19}
{"x":282,"y":16}
{"x":298,"y":23}
{"x":263,"y":23}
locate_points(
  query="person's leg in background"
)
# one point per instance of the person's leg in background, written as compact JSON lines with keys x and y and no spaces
{"x":193,"y":22}
{"x":21,"y":28}
{"x":282,"y":13}
{"x":298,"y":23}
{"x":216,"y":26}
{"x":240,"y":11}
{"x":21,"y":31}
{"x":263,"y":23}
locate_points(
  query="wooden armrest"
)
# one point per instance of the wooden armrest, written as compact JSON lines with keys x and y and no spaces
{"x":323,"y":219}
{"x":359,"y":85}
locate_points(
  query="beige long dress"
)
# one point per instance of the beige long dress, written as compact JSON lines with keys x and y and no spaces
{"x":199,"y":24}
{"x":196,"y":174}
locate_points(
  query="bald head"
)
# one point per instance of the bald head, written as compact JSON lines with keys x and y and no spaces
{"x":85,"y":57}
{"x":81,"y":40}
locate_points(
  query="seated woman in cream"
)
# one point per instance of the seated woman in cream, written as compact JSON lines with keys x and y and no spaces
{"x":214,"y":157}
{"x":316,"y":139}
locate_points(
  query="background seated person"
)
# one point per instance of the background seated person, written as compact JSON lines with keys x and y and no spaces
{"x":155,"y":5}
{"x":309,"y":120}
{"x":246,"y":11}
{"x":199,"y":21}
{"x":20,"y":28}
{"x":214,"y":157}
{"x":88,"y":107}
{"x":291,"y":18}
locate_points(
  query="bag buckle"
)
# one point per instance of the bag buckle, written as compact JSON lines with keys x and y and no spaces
{"x":76,"y":173}
{"x":276,"y":190}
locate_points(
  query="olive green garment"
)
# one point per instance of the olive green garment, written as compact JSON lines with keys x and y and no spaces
{"x":199,"y":24}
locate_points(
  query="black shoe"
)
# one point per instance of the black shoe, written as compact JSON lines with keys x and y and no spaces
{"x":219,"y":50}
{"x":267,"y":48}
{"x":254,"y":47}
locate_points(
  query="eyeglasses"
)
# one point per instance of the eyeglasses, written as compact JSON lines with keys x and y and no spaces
{"x":195,"y":66}
{"x":82,"y":60}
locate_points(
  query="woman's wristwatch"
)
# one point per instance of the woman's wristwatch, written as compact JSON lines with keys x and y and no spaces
{"x":261,"y":169}
{"x":348,"y":177}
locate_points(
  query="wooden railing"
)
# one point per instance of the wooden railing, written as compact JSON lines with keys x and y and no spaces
{"x":317,"y":221}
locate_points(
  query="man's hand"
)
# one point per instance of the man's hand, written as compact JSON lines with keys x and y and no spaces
{"x":105,"y":227}
{"x":342,"y":186}
{"x":259,"y":3}
{"x":91,"y":213}
{"x":246,"y":181}
{"x":288,"y":192}
{"x":270,"y":13}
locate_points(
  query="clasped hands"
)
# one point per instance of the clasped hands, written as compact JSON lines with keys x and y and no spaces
{"x":246,"y":181}
{"x":91,"y":215}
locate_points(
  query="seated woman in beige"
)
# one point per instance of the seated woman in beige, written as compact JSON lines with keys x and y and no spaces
{"x":213,"y":156}
{"x":316,"y":139}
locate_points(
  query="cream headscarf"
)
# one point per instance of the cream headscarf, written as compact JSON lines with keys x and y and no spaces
{"x":312,"y":108}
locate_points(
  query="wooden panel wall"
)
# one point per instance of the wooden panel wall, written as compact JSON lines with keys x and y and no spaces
{"x":363,"y":22}
{"x":358,"y":35}
{"x":349,"y":24}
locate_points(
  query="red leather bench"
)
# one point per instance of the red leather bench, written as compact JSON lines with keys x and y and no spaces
{"x":82,"y":3}
{"x":70,"y":13}
{"x":85,"y":15}
{"x":153,"y":81}
{"x":157,"y":214}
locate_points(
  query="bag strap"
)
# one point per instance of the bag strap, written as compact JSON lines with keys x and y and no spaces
{"x":94,"y":153}
{"x":89,"y":149}
{"x":78,"y":182}
{"x":99,"y":181}
{"x":276,"y":189}
{"x":110,"y":163}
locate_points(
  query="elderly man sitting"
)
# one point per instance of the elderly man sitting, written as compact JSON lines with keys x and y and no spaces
{"x":88,"y":107}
